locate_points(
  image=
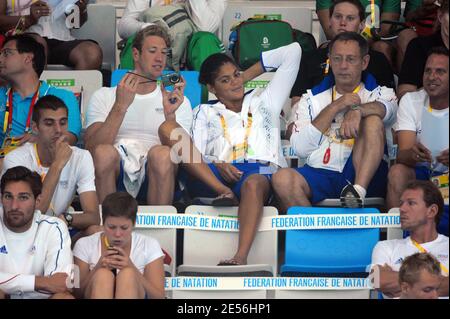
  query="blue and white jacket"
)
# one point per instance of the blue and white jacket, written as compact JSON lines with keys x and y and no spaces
{"x":308,"y":142}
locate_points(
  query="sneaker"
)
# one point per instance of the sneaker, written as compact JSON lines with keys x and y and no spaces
{"x":350,"y":198}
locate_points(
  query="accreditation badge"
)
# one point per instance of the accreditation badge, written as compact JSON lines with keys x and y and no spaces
{"x":9,"y":144}
{"x":441,"y":181}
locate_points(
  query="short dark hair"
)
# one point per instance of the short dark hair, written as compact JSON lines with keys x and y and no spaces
{"x":210,"y":67}
{"x":48,"y":102}
{"x":120,"y":204}
{"x":412,"y":266}
{"x":22,"y":174}
{"x":438,"y":51}
{"x":151,"y":30}
{"x":356,"y":3}
{"x":431,"y":195}
{"x":351,"y":36}
{"x":27,"y":44}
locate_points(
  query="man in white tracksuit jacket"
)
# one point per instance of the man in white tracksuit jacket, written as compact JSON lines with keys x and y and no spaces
{"x":339,"y":129}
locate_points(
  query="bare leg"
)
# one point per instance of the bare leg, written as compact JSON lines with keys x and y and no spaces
{"x":291,"y":188}
{"x":128,"y":285}
{"x":190,"y":157}
{"x":368,"y":150}
{"x":64,"y":295}
{"x":399,"y":175}
{"x":86,"y":56}
{"x":386,"y":49}
{"x":161,"y":174}
{"x":101,"y":285}
{"x":107,"y":168}
{"x":254,"y":193}
{"x":403,"y":40}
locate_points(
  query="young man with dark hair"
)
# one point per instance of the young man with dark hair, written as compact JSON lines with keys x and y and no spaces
{"x":22,"y":61}
{"x":64,"y":169}
{"x":35,"y":254}
{"x":421,"y":205}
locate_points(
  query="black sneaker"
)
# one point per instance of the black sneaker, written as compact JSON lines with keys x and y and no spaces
{"x":350,"y":197}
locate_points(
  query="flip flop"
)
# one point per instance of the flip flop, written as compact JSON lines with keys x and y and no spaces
{"x":224,"y":201}
{"x":229,"y":262}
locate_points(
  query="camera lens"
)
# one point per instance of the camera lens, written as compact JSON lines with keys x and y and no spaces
{"x":175,"y":78}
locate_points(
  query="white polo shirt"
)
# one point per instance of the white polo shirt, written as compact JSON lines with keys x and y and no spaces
{"x":77,"y":176}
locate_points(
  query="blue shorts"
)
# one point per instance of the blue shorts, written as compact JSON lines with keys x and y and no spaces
{"x":325,"y":183}
{"x":142,"y":195}
{"x":73,"y":231}
{"x":197,"y":188}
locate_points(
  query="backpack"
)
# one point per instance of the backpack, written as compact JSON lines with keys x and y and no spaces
{"x":175,"y":19}
{"x":201,"y":46}
{"x":254,"y":36}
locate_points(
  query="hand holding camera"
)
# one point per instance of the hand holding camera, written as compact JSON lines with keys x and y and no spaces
{"x":172,"y":100}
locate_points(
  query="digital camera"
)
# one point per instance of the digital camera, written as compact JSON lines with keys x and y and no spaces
{"x":170,"y":79}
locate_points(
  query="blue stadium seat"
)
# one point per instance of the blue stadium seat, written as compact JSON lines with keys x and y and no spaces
{"x":329,"y":252}
{"x":193,"y":89}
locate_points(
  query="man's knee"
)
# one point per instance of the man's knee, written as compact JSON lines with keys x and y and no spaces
{"x":159,"y":160}
{"x":398,"y":173}
{"x":105,"y":157}
{"x":90,"y":53}
{"x":373,"y":124}
{"x":165,"y":130}
{"x":287,"y":180}
{"x":255,"y":183}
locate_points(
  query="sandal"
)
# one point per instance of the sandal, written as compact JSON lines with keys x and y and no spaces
{"x":225,"y":200}
{"x":229,"y":262}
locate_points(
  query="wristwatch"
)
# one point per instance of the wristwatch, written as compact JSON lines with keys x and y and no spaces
{"x":356,"y":107}
{"x":69,"y":218}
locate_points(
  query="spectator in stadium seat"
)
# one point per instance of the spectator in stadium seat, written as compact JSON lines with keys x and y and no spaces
{"x":119,"y":263}
{"x":389,"y":10}
{"x":61,"y":47}
{"x":420,"y":277}
{"x":206,"y":14}
{"x":411,"y":73}
{"x":420,"y":209}
{"x":239,"y":134}
{"x":414,"y":158}
{"x":340,"y":130}
{"x":344,"y":15}
{"x":64,"y":170}
{"x":420,"y":16}
{"x":35,"y":258}
{"x":22,"y":61}
{"x":123,"y":122}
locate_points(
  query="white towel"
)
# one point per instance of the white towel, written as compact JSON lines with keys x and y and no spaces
{"x":134,"y":156}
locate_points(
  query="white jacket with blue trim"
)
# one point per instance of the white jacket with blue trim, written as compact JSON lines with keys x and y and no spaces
{"x":48,"y":253}
{"x":308,"y":142}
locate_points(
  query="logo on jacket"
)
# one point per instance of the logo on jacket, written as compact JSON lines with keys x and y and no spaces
{"x":3,"y":250}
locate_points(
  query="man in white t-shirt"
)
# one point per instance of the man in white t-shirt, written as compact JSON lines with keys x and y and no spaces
{"x":35,"y":255}
{"x":64,"y":169}
{"x":421,"y":206}
{"x":414,"y":157}
{"x":38,"y":17}
{"x":206,"y":14}
{"x":123,"y":123}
